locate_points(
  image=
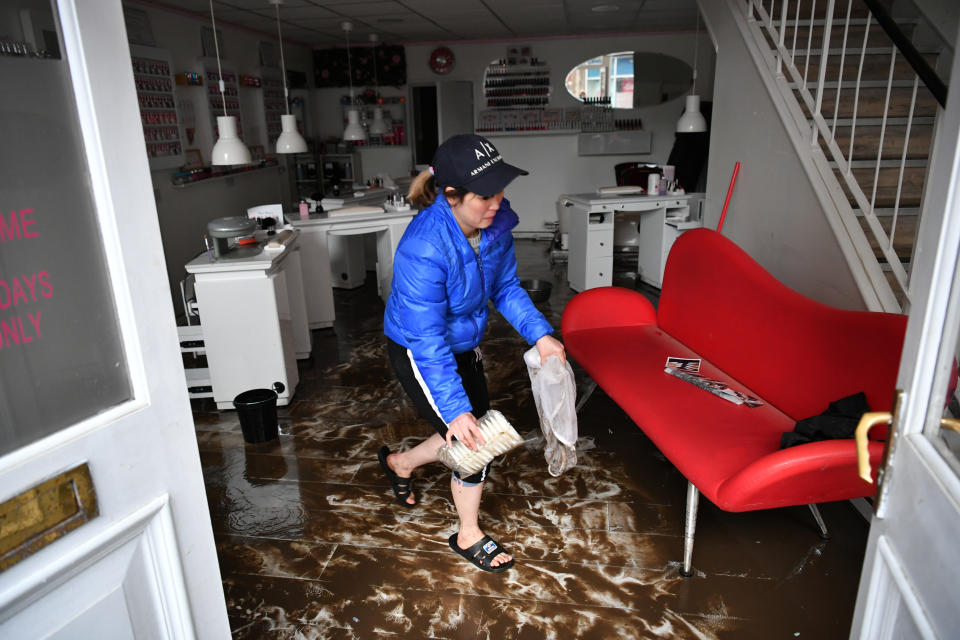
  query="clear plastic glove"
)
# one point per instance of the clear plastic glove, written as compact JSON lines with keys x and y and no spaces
{"x":555,"y":394}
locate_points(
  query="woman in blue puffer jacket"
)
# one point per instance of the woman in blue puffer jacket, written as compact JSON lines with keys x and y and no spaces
{"x":456,"y":256}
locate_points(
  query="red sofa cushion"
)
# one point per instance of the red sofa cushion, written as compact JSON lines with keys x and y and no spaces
{"x":796,"y":353}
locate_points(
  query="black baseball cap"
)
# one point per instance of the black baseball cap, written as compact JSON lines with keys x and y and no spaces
{"x":473,"y":163}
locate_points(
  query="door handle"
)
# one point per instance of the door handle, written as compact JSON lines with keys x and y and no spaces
{"x":867,"y":422}
{"x":950,"y":423}
{"x":871,"y":419}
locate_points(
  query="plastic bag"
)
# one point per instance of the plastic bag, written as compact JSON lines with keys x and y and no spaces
{"x":555,"y":394}
{"x":500,"y":437}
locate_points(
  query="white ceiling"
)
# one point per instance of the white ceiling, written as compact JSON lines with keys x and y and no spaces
{"x":316,"y":23}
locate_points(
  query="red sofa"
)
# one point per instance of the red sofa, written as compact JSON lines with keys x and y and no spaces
{"x":760,"y":337}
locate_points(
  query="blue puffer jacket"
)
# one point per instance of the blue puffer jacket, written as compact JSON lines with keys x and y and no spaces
{"x":438,"y":299}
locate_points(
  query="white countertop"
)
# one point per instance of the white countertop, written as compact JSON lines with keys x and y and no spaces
{"x":596,"y":198}
{"x":265,"y":260}
{"x":327,"y":218}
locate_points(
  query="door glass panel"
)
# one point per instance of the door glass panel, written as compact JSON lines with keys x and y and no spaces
{"x":61,"y":355}
{"x":945,"y":404}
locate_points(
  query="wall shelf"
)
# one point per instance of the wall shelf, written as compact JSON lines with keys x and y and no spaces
{"x":187,"y":178}
{"x":153,"y":76}
{"x":516,"y":86}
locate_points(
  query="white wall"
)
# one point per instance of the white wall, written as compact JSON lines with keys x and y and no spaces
{"x":552,"y":160}
{"x":184,"y":211}
{"x":774,"y":214}
{"x":943,"y":17}
{"x":555,"y":168}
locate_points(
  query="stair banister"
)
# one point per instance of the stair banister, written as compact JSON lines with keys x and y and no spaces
{"x":908,"y":51}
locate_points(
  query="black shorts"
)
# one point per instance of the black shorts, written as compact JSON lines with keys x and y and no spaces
{"x":470,"y":370}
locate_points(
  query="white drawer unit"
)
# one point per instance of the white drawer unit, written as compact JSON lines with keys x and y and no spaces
{"x":594,"y":219}
{"x":253,"y":323}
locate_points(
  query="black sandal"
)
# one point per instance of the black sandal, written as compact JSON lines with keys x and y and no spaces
{"x":402,"y":487}
{"x":482,"y":553}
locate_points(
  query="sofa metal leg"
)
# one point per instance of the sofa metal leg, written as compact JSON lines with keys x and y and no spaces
{"x":690,"y":526}
{"x":586,"y":396}
{"x":820,"y":523}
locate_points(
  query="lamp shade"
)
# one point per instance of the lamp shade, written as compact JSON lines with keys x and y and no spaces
{"x":290,"y":140}
{"x":378,"y":126}
{"x":692,"y":121}
{"x":229,"y":149}
{"x":354,"y":131}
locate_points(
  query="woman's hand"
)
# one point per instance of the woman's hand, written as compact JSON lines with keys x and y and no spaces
{"x":467,"y":430}
{"x":549,"y":346}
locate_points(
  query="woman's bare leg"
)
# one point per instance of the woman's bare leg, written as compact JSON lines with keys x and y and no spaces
{"x":467,"y":502}
{"x":404,"y":463}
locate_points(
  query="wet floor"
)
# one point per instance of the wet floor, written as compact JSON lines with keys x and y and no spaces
{"x":312,"y":544}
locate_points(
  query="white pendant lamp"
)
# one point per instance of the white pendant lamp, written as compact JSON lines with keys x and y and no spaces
{"x":692,"y":121}
{"x":229,"y":149}
{"x":378,"y":126}
{"x":354,"y":130}
{"x":290,"y":140}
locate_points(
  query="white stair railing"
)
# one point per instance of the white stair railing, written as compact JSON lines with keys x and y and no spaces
{"x":777,"y":19}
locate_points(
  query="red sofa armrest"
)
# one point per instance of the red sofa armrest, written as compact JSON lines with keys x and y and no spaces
{"x":607,"y":307}
{"x":805,"y":474}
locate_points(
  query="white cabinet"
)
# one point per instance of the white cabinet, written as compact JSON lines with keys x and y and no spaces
{"x":594,"y":218}
{"x":253,"y":319}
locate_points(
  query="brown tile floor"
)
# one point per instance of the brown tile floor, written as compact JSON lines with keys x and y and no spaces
{"x":312,"y":544}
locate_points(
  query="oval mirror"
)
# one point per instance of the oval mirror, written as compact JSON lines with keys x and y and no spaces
{"x":629,"y":79}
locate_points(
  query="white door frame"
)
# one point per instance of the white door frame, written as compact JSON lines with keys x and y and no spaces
{"x":908,"y":583}
{"x":150,"y":552}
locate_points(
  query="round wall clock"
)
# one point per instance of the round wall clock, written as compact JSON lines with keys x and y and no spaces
{"x":441,"y":60}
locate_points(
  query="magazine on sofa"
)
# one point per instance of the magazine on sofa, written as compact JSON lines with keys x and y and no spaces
{"x":689,"y":369}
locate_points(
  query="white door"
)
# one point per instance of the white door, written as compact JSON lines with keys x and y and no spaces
{"x":455,"y":108}
{"x":908,"y":588}
{"x":104,"y":528}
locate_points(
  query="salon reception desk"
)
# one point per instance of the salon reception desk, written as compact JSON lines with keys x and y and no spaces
{"x":316,"y":232}
{"x":655,"y":221}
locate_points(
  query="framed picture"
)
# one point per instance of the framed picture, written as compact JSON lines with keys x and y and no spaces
{"x":193,"y":159}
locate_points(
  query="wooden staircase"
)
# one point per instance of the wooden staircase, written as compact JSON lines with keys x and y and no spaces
{"x":882,"y":122}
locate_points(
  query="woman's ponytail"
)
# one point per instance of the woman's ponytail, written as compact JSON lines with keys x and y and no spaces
{"x":423,"y":189}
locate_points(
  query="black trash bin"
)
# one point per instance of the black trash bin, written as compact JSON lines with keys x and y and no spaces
{"x":257,"y":410}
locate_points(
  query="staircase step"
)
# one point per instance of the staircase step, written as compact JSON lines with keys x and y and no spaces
{"x":867,"y":138}
{"x":854,"y":34}
{"x":888,"y":163}
{"x":871,"y":100}
{"x":910,"y":194}
{"x":876,"y":65}
{"x":903,"y":239}
{"x":858,"y":10}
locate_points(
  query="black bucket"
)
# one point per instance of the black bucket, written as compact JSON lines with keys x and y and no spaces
{"x":257,"y":410}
